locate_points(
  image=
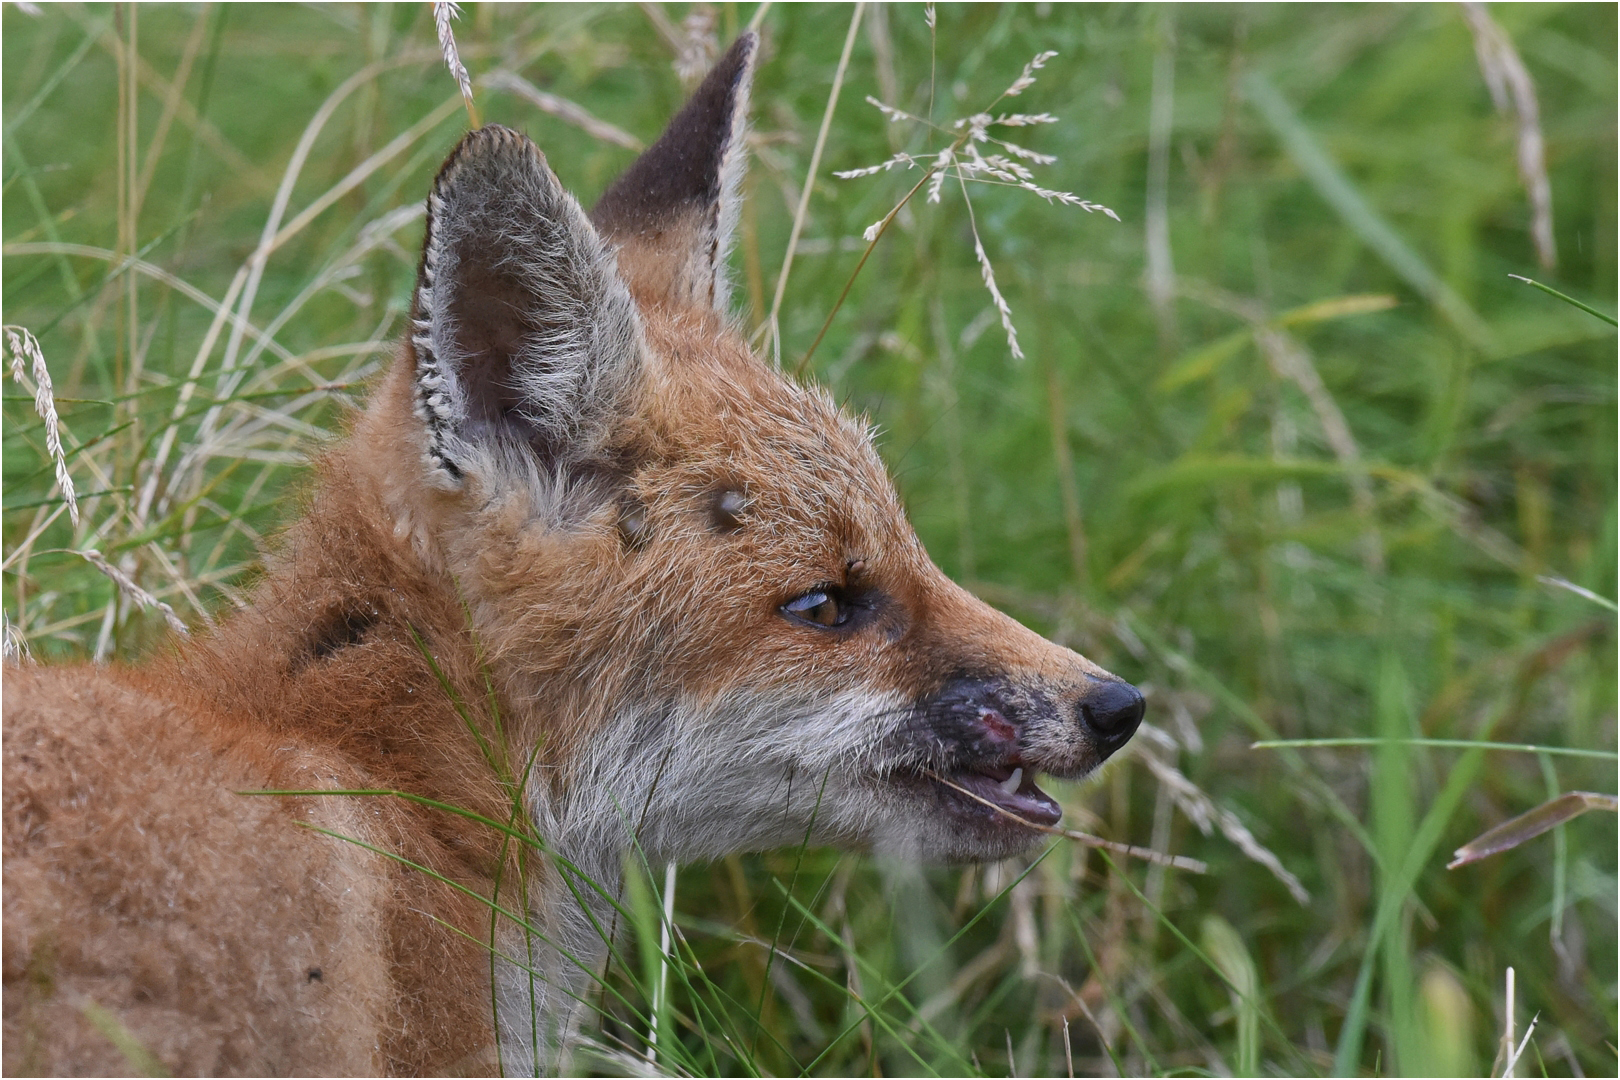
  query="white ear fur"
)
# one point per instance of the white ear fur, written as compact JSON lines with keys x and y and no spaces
{"x":525,"y":336}
{"x":733,"y":167}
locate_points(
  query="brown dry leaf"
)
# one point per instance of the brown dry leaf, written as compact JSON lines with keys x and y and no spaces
{"x":1532,"y":823}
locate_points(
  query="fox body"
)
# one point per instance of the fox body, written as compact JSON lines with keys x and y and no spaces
{"x":582,"y":554}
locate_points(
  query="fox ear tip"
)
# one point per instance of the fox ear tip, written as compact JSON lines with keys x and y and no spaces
{"x":736,"y":64}
{"x":492,"y":150}
{"x":687,"y":186}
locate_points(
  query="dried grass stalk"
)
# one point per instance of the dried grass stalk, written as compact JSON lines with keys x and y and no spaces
{"x":1158,"y":858}
{"x":129,"y":588}
{"x":1207,"y":815}
{"x":24,"y":344}
{"x":1513,"y":92}
{"x":443,"y":12}
{"x":1531,"y":824}
{"x":563,"y":109}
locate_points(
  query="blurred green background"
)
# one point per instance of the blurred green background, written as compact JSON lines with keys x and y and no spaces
{"x":1289,"y":448}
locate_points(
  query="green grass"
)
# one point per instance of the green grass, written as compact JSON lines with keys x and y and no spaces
{"x":1305,"y":488}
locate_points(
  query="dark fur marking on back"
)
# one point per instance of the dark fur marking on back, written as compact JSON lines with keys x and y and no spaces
{"x":338,"y":631}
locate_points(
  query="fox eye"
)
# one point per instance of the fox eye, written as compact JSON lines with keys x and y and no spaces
{"x":819,"y":607}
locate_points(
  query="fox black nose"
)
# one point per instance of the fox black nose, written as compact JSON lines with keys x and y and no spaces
{"x":1111,"y":711}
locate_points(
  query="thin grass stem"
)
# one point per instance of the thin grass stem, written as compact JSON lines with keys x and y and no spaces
{"x":810,"y":175}
{"x":1550,"y":291}
{"x":1448,"y":744}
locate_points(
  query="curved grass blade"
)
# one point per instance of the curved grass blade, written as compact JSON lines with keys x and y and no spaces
{"x":1550,"y":291}
{"x":1448,"y":744}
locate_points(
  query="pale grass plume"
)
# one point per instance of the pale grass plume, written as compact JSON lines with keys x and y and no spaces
{"x":1027,"y":79}
{"x":943,"y":161}
{"x":895,"y":115}
{"x":13,"y":646}
{"x":443,"y":12}
{"x":129,"y":588}
{"x":873,"y":170}
{"x":989,"y":276}
{"x":1513,"y":92}
{"x":1001,"y":162}
{"x":1205,"y":813}
{"x":699,"y":45}
{"x":23,"y":344}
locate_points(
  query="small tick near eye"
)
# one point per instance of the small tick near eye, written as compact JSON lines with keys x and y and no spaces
{"x":727,"y":511}
{"x":820,"y":608}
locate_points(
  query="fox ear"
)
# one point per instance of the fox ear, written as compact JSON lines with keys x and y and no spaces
{"x":526,"y":339}
{"x":673,"y":212}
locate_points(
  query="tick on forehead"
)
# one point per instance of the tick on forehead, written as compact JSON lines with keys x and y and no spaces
{"x":726,"y":509}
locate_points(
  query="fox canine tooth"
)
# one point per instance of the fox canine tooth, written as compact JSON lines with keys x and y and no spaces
{"x":1009,"y":786}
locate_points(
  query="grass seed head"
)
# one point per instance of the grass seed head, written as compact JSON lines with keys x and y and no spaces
{"x":443,"y":12}
{"x":129,"y":588}
{"x":962,"y":159}
{"x":23,"y":344}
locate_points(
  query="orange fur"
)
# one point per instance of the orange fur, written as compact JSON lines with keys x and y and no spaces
{"x":614,"y":593}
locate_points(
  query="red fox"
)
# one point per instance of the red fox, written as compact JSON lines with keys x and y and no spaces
{"x":582,"y":553}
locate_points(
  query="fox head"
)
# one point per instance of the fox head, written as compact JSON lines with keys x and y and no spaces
{"x":691,"y":577}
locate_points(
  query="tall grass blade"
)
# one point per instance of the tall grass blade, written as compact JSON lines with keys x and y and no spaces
{"x":1448,"y":744}
{"x":141,"y":1061}
{"x":1226,"y":949}
{"x":1570,"y":300}
{"x":772,"y":322}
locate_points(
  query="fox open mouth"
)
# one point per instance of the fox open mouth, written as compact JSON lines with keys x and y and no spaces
{"x":1008,"y":788}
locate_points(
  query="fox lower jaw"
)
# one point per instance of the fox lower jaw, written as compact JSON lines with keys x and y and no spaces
{"x":871,"y":770}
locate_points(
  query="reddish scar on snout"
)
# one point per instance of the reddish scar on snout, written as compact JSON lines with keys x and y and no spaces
{"x":997,"y":724}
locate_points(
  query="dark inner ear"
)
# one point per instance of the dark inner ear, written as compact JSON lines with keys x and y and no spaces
{"x":524,"y":333}
{"x":488,"y":307}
